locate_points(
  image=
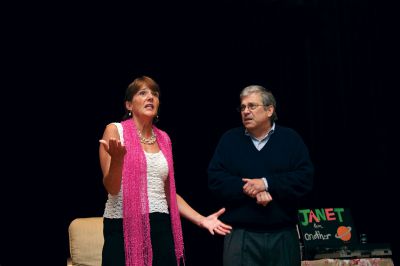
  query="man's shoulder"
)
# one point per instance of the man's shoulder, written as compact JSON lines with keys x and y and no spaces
{"x":232,"y":135}
{"x":285,"y":129}
{"x":236,"y":131}
{"x":287,"y":133}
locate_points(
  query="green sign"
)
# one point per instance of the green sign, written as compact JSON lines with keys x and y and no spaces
{"x":326,"y":228}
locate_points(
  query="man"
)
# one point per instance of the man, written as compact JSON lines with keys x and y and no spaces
{"x":260,"y":172}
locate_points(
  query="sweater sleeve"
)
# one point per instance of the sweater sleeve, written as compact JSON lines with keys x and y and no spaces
{"x":222,"y":183}
{"x":297,"y":181}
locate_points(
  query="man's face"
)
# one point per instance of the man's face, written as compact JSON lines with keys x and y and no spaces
{"x":254,"y":113}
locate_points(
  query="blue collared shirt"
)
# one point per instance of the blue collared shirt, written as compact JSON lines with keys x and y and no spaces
{"x":259,"y":144}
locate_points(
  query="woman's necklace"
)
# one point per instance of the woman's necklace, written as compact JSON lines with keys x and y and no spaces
{"x":150,"y":140}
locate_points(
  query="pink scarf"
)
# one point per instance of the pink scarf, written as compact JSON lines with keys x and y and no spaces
{"x":136,"y":224}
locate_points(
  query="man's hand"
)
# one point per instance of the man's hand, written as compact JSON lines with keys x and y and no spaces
{"x":253,"y":186}
{"x":263,"y":198}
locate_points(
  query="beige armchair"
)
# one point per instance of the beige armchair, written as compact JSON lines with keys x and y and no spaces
{"x":85,"y":241}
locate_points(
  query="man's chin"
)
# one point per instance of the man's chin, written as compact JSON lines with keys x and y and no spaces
{"x":248,"y":123}
{"x":248,"y":126}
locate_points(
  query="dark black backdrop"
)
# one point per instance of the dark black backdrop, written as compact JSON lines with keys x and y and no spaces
{"x":331,"y":64}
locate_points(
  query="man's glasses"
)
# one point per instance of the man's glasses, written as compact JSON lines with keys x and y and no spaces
{"x":251,"y":106}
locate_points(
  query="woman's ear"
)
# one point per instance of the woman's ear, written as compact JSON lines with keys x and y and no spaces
{"x":128,"y":106}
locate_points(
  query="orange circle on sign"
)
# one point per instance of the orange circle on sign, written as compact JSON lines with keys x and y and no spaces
{"x":344,"y":233}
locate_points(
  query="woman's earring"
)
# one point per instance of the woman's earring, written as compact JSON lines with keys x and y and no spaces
{"x":129,"y":114}
{"x":156,"y":119}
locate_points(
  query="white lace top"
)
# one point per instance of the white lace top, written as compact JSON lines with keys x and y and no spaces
{"x":157,"y":173}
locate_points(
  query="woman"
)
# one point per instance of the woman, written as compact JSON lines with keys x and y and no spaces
{"x":141,"y":218}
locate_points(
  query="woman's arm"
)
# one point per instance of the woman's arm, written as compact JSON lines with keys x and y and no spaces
{"x":111,"y":153}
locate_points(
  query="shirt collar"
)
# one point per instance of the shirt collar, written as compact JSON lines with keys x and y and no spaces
{"x":266,"y":135}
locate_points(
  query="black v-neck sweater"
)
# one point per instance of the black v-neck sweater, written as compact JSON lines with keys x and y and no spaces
{"x":284,"y":161}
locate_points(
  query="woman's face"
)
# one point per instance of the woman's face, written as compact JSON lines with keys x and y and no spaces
{"x":144,"y":103}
